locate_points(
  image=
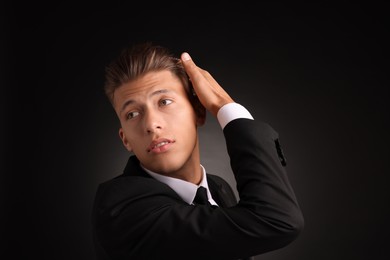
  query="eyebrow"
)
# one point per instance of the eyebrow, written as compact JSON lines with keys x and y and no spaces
{"x":154,"y":93}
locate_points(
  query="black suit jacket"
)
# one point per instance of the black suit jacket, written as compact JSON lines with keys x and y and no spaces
{"x":138,"y":217}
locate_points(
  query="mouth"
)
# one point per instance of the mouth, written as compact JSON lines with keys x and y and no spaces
{"x":160,"y":145}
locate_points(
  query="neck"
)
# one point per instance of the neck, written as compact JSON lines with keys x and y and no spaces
{"x":190,"y":171}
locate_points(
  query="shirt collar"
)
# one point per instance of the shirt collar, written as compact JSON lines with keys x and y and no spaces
{"x":186,"y":190}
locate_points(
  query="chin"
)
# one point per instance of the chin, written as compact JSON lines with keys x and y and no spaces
{"x":164,"y":165}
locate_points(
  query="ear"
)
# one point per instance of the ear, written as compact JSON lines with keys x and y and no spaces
{"x":200,"y":110}
{"x":124,"y":140}
{"x":201,"y":117}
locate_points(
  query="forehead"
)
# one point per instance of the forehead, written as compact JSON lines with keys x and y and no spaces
{"x":143,"y":86}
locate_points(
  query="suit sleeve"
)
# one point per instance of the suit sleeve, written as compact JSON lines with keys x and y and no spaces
{"x":266,"y":196}
{"x":138,"y":219}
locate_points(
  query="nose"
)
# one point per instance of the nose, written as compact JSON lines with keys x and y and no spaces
{"x":152,"y":121}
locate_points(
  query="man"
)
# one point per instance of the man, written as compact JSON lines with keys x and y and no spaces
{"x":151,"y":211}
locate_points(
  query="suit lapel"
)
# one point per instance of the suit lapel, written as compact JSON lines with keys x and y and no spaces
{"x":220,"y":190}
{"x":133,"y":168}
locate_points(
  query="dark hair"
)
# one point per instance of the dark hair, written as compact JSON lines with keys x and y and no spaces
{"x":138,"y":60}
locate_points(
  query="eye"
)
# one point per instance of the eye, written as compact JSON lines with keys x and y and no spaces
{"x":132,"y":114}
{"x":165,"y":102}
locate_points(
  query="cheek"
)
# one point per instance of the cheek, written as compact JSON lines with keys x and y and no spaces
{"x":130,"y":135}
{"x":187,"y":127}
{"x":186,"y":114}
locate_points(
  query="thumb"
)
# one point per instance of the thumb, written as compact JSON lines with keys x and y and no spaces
{"x":190,"y":67}
{"x":185,"y":56}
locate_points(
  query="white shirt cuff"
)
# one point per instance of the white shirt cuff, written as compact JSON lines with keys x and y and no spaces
{"x":231,"y":111}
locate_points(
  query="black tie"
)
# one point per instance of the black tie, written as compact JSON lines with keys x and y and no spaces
{"x":201,"y":196}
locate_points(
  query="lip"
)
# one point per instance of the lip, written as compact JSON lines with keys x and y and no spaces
{"x":160,"y":145}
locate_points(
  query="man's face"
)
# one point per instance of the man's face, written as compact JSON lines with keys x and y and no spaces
{"x":158,"y":123}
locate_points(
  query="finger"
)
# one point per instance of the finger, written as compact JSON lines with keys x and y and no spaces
{"x":208,"y":77}
{"x":197,"y":76}
{"x":209,"y":92}
{"x":192,"y":70}
{"x":200,"y":78}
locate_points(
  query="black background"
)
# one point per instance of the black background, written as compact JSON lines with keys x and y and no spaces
{"x":318,"y":73}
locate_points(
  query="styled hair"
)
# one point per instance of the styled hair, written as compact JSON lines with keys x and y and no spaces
{"x":138,"y":60}
{"x":142,"y":58}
